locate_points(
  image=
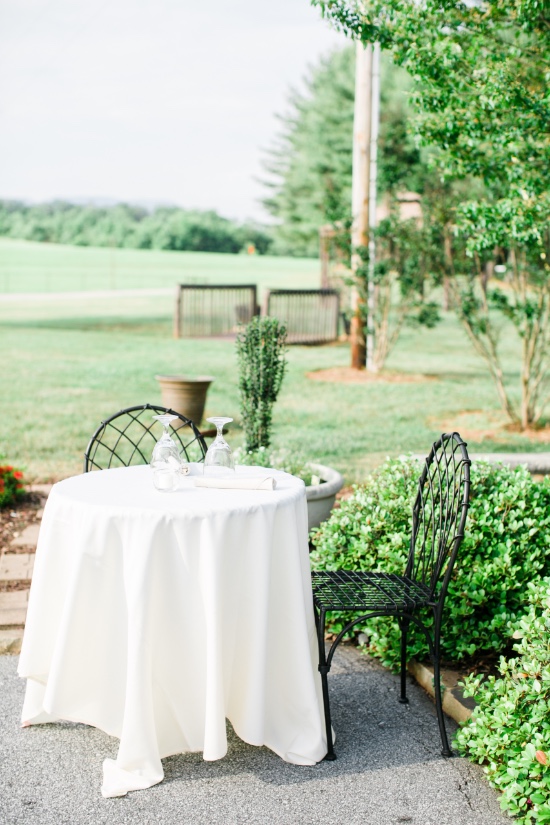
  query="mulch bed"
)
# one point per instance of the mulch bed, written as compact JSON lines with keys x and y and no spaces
{"x":348,"y":375}
{"x":15,"y":518}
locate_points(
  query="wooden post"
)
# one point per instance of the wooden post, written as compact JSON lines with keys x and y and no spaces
{"x":373,"y":175}
{"x":265,"y":309}
{"x":177,"y":313}
{"x":325,"y":234}
{"x":360,"y":192}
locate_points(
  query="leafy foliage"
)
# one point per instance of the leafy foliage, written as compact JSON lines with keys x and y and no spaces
{"x":509,"y":730}
{"x":129,"y":226}
{"x":11,"y":485}
{"x":481,"y":100}
{"x":403,"y":278}
{"x":507,"y":544}
{"x":261,"y":354}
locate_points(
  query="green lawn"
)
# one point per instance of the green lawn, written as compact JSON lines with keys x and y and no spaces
{"x":26,"y":266}
{"x":68,"y":362}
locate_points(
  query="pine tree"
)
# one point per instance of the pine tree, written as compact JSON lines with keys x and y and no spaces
{"x":310,"y":165}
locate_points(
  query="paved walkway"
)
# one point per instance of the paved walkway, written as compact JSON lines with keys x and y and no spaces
{"x":16,"y":565}
{"x":388,"y":770}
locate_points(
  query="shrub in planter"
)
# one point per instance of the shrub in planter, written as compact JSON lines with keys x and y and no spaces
{"x":507,"y":545}
{"x":11,"y":485}
{"x":261,"y":355}
{"x":510,"y":728}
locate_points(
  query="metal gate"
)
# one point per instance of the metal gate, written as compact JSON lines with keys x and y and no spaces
{"x":209,"y":310}
{"x":311,"y":315}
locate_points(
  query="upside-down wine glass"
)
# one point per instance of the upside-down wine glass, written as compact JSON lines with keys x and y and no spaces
{"x":218,"y":460}
{"x":166,"y":460}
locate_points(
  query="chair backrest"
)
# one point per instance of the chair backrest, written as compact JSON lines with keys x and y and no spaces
{"x":439,"y":513}
{"x":128,"y":437}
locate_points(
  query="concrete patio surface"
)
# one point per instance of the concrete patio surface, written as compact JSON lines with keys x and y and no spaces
{"x":389,"y":769}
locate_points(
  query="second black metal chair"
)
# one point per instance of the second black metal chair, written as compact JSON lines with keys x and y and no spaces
{"x":438,"y":519}
{"x":127,"y":438}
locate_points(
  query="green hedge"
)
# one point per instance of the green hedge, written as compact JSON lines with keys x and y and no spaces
{"x":510,"y":728}
{"x":507,"y":545}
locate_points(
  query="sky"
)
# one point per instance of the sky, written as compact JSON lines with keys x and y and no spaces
{"x":149,"y":101}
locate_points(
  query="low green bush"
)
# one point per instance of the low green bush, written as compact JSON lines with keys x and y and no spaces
{"x":509,"y":730}
{"x":507,"y":545}
{"x":280,"y":459}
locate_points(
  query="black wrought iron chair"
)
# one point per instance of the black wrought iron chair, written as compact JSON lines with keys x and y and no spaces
{"x":127,"y":438}
{"x":438,"y":519}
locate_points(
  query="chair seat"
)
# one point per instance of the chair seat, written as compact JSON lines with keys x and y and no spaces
{"x":368,"y":592}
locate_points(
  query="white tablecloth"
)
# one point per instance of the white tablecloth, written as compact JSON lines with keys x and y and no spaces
{"x":155,"y":616}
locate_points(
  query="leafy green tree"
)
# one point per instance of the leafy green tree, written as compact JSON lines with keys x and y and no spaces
{"x":481,"y":98}
{"x":404,"y":273}
{"x":310,"y":165}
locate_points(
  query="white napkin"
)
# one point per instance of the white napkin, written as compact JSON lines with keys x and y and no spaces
{"x":259,"y":483}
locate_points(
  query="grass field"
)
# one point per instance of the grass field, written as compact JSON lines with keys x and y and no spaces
{"x":35,"y":267}
{"x":68,"y":363}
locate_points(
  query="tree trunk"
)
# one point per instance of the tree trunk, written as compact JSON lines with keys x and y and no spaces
{"x":372,"y":363}
{"x":448,"y":252}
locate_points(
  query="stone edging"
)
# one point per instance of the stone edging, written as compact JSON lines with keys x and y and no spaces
{"x":10,"y":641}
{"x":454,"y":703}
{"x":537,"y":463}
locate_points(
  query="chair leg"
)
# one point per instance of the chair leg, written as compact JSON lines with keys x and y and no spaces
{"x":404,"y":625}
{"x":324,"y":670}
{"x":445,"y":750}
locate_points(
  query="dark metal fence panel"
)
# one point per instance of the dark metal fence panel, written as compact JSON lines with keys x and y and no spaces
{"x":208,"y":310}
{"x":311,"y":315}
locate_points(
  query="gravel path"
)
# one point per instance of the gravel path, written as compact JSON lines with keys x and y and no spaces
{"x":388,"y":770}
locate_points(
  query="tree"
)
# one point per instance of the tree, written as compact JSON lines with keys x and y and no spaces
{"x":124,"y":225}
{"x":480,"y":95}
{"x":310,"y":164}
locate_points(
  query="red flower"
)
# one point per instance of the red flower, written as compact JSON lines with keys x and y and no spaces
{"x":18,"y":474}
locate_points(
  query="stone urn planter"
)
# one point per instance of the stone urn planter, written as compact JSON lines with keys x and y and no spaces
{"x":321,"y":497}
{"x":185,"y":394}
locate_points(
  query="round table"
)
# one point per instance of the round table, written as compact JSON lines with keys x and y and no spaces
{"x":157,"y":616}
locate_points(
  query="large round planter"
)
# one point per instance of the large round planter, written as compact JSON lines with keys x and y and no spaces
{"x":321,"y":497}
{"x":185,"y":394}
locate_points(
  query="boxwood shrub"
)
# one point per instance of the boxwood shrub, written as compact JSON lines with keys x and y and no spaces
{"x":507,"y":545}
{"x":510,"y":728}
